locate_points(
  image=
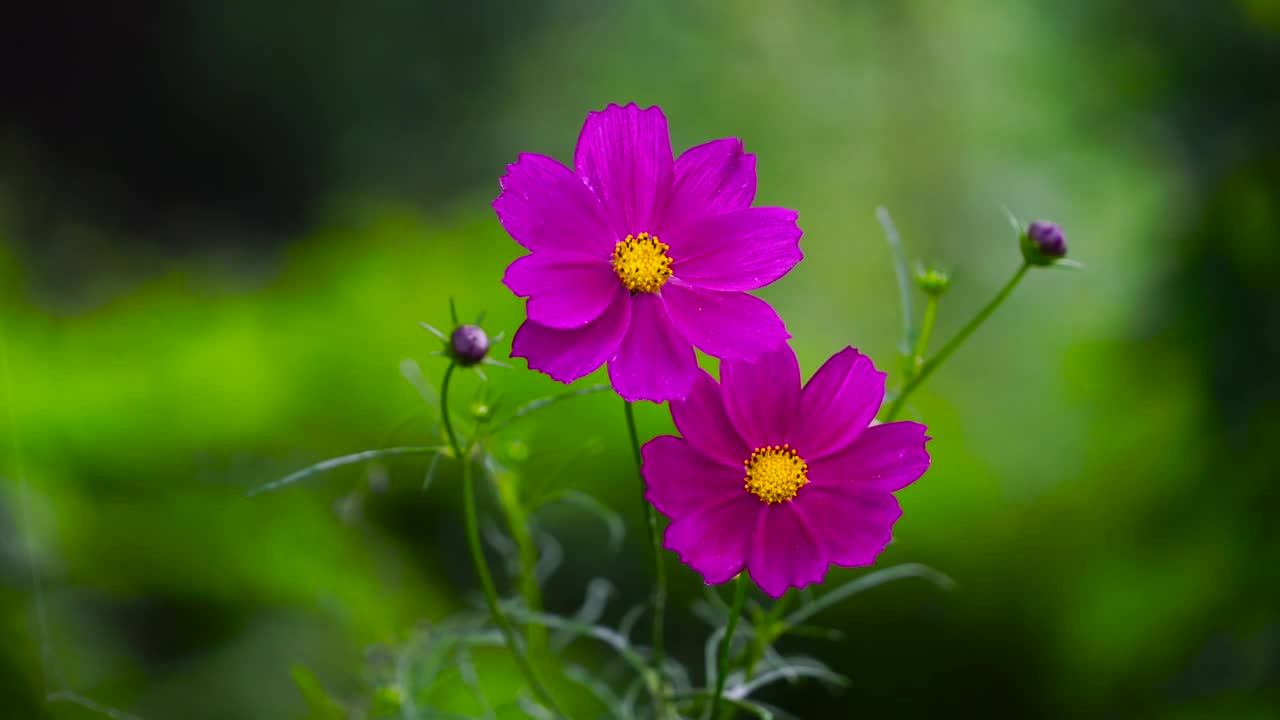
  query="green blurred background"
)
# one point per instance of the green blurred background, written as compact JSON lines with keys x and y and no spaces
{"x":221,"y":222}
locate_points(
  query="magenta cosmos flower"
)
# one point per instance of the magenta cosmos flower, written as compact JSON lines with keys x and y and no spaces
{"x":780,"y":481}
{"x":637,"y":259}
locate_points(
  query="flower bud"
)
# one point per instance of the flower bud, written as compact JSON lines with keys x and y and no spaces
{"x":481,"y":412}
{"x":933,"y":282}
{"x":1043,"y":243}
{"x":469,"y":344}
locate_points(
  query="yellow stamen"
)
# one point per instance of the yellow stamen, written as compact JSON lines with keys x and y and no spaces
{"x":775,"y":473}
{"x":642,"y":263}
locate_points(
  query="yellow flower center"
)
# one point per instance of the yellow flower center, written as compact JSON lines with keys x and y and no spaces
{"x":642,"y":263}
{"x":775,"y":473}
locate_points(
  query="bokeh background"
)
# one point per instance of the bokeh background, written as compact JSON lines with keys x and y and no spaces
{"x":221,"y":222}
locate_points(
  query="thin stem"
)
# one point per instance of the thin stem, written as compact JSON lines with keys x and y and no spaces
{"x":768,"y":629}
{"x":739,"y":598}
{"x":477,"y":552}
{"x":655,"y":545}
{"x":926,"y":330}
{"x":952,"y":345}
{"x":446,"y":416}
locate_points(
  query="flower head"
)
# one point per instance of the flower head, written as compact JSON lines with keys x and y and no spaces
{"x":781,"y":481}
{"x":469,"y":343}
{"x":1043,"y":243}
{"x":637,"y":258}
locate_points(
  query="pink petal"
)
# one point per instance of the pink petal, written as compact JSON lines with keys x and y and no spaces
{"x":680,"y":479}
{"x":886,"y":457}
{"x":544,"y":206}
{"x":761,"y":397}
{"x":785,"y":551}
{"x":567,"y":355}
{"x":624,"y":157}
{"x":714,"y":540}
{"x":701,"y":419}
{"x":838,"y":403}
{"x":565,"y":290}
{"x":725,"y":325}
{"x":739,"y":250}
{"x":711,"y":179}
{"x":855,"y":523}
{"x":653,"y":362}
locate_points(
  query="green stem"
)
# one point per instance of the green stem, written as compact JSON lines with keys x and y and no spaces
{"x":477,"y":552}
{"x":768,"y":629}
{"x":926,"y":330}
{"x":655,"y":545}
{"x":952,"y":345}
{"x":722,"y":672}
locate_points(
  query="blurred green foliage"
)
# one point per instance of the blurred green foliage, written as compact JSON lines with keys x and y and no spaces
{"x":1103,"y":482}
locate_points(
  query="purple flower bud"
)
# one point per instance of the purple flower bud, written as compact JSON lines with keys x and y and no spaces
{"x":1048,"y":238}
{"x":469,"y":344}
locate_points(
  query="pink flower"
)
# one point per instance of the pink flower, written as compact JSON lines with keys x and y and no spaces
{"x":637,"y":259}
{"x":780,"y":481}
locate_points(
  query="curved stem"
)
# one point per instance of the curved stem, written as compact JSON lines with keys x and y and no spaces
{"x":477,"y":552}
{"x":445,"y":417}
{"x":952,"y":345}
{"x":739,"y":598}
{"x":655,"y":545}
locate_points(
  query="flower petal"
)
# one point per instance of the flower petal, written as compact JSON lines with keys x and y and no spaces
{"x":887,"y":457}
{"x":680,"y":479}
{"x":739,"y":250}
{"x":761,"y":397}
{"x":711,"y":179}
{"x":838,"y":403}
{"x":565,"y":290}
{"x":854,"y":522}
{"x":624,"y":157}
{"x":715,"y":539}
{"x":653,"y":362}
{"x":544,"y":206}
{"x":567,"y":355}
{"x":701,"y":419}
{"x":725,"y":325}
{"x":786,"y":551}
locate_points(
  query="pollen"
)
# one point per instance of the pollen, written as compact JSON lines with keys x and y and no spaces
{"x":775,"y":473}
{"x":641,"y":262}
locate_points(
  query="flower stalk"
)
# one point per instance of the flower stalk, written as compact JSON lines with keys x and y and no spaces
{"x":655,"y":546}
{"x":916,"y":361}
{"x":918,"y":378}
{"x":768,"y":628}
{"x":726,"y":642}
{"x":477,"y":551}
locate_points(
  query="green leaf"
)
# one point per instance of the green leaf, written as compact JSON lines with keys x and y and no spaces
{"x":352,"y":459}
{"x":321,"y":706}
{"x":903,"y":274}
{"x":539,"y":403}
{"x":866,"y":582}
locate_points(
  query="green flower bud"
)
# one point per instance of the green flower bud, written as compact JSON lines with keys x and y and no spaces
{"x":933,"y":282}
